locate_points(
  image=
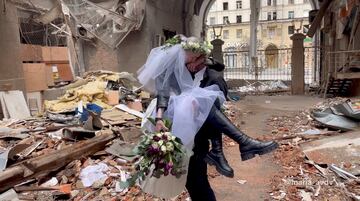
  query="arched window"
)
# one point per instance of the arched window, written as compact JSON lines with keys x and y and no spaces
{"x":272,"y":56}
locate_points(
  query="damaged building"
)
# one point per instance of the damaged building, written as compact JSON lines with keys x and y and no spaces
{"x":72,"y":111}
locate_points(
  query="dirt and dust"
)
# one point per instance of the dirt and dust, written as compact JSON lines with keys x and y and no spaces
{"x":263,"y":174}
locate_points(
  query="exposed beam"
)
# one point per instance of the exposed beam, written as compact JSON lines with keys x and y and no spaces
{"x":317,"y":21}
{"x":44,"y":164}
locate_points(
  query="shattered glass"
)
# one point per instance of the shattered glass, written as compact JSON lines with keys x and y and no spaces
{"x":109,"y":21}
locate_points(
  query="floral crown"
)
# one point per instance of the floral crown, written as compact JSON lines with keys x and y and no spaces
{"x":191,"y":45}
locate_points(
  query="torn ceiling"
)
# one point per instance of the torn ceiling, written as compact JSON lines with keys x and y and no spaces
{"x":109,"y":21}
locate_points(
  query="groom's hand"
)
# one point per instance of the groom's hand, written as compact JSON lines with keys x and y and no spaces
{"x":160,"y":126}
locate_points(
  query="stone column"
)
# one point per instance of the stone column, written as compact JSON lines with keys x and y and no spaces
{"x":11,"y":70}
{"x":217,"y":51}
{"x":297,"y":64}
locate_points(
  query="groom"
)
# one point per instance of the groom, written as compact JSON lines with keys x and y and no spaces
{"x":197,"y":181}
{"x":205,"y":72}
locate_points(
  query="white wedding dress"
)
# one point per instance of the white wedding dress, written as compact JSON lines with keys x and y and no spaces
{"x":187,"y":110}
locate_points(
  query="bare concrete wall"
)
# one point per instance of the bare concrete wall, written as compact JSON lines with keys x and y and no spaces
{"x":11,"y":71}
{"x":196,"y":24}
{"x":133,"y":51}
{"x":99,"y":57}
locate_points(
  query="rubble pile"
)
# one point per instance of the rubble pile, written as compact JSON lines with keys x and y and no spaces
{"x":329,"y":102}
{"x":317,"y":161}
{"x":303,"y":179}
{"x":91,"y":88}
{"x":81,"y":148}
{"x":261,"y":87}
{"x":310,"y":154}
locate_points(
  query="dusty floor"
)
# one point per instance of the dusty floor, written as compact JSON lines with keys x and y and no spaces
{"x":258,"y":172}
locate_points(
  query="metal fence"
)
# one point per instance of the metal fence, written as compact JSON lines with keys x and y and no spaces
{"x":273,"y":64}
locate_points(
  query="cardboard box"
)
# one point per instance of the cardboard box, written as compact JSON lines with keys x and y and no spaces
{"x":44,"y":53}
{"x":35,"y":77}
{"x":31,"y":52}
{"x":59,"y":54}
{"x":55,"y":54}
{"x":65,"y":72}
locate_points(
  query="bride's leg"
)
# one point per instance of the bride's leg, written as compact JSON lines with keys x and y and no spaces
{"x":249,"y":147}
{"x":216,"y":156}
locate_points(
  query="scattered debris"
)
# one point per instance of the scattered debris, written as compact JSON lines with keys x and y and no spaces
{"x":241,"y":181}
{"x":91,"y":91}
{"x":94,"y":174}
{"x":129,"y":110}
{"x":52,"y":161}
{"x":52,"y":182}
{"x":264,"y":86}
{"x":122,"y":150}
{"x":87,"y":155}
{"x":10,"y":154}
{"x":10,"y":195}
{"x":335,"y":121}
{"x":342,"y":173}
{"x":347,"y":109}
{"x":312,"y":132}
{"x":317,"y":163}
{"x":306,"y":196}
{"x":80,"y":148}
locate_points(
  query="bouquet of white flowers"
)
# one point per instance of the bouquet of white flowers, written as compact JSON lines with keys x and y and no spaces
{"x":163,"y":164}
{"x":161,"y":151}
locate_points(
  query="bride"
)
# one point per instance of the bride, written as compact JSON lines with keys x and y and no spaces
{"x":173,"y":74}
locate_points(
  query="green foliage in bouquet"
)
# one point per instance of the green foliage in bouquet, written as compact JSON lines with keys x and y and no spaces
{"x":161,"y":154}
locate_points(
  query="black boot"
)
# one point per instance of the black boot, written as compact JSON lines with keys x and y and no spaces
{"x":216,"y":157}
{"x":249,"y":147}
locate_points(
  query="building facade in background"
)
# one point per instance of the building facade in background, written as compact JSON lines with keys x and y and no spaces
{"x":229,"y":20}
{"x":278,"y":20}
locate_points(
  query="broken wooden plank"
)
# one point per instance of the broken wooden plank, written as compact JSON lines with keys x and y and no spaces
{"x":45,"y":164}
{"x":116,"y":117}
{"x":317,"y":21}
{"x":65,"y":188}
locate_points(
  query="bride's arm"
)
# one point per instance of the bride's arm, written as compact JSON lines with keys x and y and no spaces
{"x":163,"y":97}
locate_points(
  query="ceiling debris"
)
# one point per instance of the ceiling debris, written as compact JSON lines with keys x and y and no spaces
{"x":108,"y":21}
